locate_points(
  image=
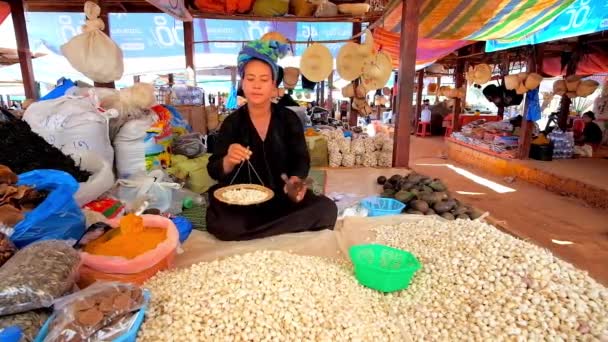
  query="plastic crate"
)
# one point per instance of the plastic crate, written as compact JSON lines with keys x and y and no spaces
{"x":129,"y":336}
{"x":383,"y":268}
{"x":378,"y":206}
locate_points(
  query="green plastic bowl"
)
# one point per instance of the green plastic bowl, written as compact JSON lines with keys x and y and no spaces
{"x":383,"y":268}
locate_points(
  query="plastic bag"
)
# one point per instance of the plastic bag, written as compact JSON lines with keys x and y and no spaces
{"x":121,"y":265}
{"x":73,"y":124}
{"x":189,"y":145}
{"x":37,"y":275}
{"x":92,"y":52}
{"x":101,"y":180}
{"x":58,"y":216}
{"x":151,"y":187}
{"x":184,"y":227}
{"x":79,"y":316}
{"x":28,"y":322}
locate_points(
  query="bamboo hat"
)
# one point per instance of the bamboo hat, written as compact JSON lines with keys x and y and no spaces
{"x":316,"y":63}
{"x":378,"y":71}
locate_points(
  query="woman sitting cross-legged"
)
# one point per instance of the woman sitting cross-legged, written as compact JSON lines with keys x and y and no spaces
{"x":271,"y":138}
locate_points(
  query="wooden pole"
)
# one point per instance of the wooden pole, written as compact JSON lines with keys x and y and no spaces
{"x":437,"y":91}
{"x":353,"y":114}
{"x":419,"y":98}
{"x":330,"y":98}
{"x":407,"y":73}
{"x":189,"y":44}
{"x":23,"y":49}
{"x":459,"y":80}
{"x":535,"y":60}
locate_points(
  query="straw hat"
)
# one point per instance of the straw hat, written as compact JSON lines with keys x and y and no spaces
{"x":368,"y":44}
{"x":353,"y":9}
{"x":522,"y":76}
{"x":378,"y":71}
{"x":432,"y":88}
{"x":533,"y":81}
{"x":586,"y":88}
{"x":308,"y":95}
{"x":482,"y":73}
{"x":291,"y":76}
{"x":349,"y":90}
{"x":559,"y":87}
{"x":469,"y":75}
{"x":571,"y":94}
{"x":387,"y":91}
{"x":512,"y":82}
{"x":443,"y":91}
{"x":521,"y":89}
{"x":436,"y":69}
{"x":360,"y":91}
{"x":572,"y":82}
{"x":349,"y":62}
{"x":377,"y":100}
{"x":316,"y":63}
{"x":383,"y":100}
{"x":362,"y":106}
{"x":275,"y":36}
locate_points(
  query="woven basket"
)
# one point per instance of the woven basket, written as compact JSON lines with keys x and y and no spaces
{"x":219,"y":193}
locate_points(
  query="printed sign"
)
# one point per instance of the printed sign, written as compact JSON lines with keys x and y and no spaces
{"x":580,"y":18}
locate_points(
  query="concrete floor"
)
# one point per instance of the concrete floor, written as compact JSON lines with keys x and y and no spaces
{"x":528,"y":212}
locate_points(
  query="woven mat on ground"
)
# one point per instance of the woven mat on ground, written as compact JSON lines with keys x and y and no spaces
{"x":197,"y":213}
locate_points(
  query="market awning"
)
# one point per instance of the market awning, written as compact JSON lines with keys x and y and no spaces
{"x":446,"y":25}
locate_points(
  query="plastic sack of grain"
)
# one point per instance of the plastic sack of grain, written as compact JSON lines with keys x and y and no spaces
{"x":335,"y":159}
{"x":379,"y":141}
{"x":357,"y":146}
{"x":387,"y":145}
{"x":370,"y":159}
{"x":333,"y":147}
{"x":385,"y":159}
{"x":369,"y":145}
{"x":359,"y":160}
{"x":73,"y":125}
{"x":348,"y":159}
{"x":344,"y":144}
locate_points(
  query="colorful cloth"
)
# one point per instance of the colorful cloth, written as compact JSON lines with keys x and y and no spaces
{"x":266,"y":51}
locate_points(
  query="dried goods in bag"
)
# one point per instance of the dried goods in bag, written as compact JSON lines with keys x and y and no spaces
{"x":37,"y":275}
{"x":79,"y":316}
{"x":28,"y":322}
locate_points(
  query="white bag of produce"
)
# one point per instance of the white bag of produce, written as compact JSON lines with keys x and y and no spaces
{"x":72,"y":124}
{"x":151,"y":187}
{"x":92,"y":52}
{"x":100,"y":181}
{"x":130,"y":147}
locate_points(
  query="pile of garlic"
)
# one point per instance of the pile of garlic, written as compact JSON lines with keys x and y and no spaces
{"x":359,"y":151}
{"x":476,"y":283}
{"x":264,"y":296}
{"x":244,"y":196}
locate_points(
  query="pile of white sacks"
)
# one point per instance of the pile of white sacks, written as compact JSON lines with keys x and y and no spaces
{"x":360,"y":150}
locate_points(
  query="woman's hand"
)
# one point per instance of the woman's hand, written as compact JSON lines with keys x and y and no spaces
{"x":237,"y":153}
{"x":295,"y":188}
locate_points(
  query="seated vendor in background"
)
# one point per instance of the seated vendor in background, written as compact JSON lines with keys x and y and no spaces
{"x":592,"y":133}
{"x":271,"y":138}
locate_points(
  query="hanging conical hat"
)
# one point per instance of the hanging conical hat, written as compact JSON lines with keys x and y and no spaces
{"x":349,"y":90}
{"x":533,"y":81}
{"x":482,"y":73}
{"x":368,"y":44}
{"x":316,"y":63}
{"x":349,"y":62}
{"x":521,"y":89}
{"x":360,"y":91}
{"x":522,"y":76}
{"x":276,"y":36}
{"x":586,"y":88}
{"x":291,"y":76}
{"x":572,"y":82}
{"x":512,"y":82}
{"x":378,"y":71}
{"x":432,"y":88}
{"x":559,"y":87}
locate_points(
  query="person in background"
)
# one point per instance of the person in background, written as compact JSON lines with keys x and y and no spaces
{"x":425,"y":114}
{"x":271,"y":138}
{"x":592,"y":133}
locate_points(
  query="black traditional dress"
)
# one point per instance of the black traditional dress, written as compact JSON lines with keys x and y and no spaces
{"x":283,"y":151}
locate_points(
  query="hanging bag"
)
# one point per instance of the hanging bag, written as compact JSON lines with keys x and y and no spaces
{"x":92,"y":52}
{"x":150,"y":187}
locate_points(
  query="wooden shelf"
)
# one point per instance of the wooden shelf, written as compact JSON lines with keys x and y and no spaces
{"x":142,"y":6}
{"x":370,"y":17}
